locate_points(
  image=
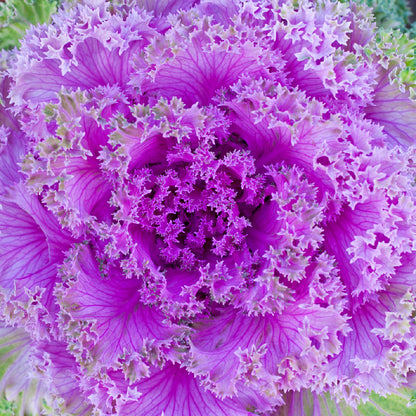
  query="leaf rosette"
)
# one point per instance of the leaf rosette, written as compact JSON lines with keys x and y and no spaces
{"x":208,"y":208}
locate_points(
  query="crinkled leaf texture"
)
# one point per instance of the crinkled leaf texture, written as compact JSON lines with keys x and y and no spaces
{"x":208,"y":208}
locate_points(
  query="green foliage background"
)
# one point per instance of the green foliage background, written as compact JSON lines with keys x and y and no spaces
{"x":393,"y":18}
{"x":17,"y":15}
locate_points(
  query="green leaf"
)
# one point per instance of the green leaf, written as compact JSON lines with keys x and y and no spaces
{"x":389,"y":14}
{"x":7,"y":408}
{"x":17,"y":15}
{"x":392,"y":405}
{"x":311,"y":404}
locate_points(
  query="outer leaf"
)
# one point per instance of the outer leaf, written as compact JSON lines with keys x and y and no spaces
{"x":199,"y":71}
{"x":103,"y":311}
{"x":182,"y":394}
{"x":395,"y":110}
{"x":32,"y":246}
{"x":58,"y":370}
{"x":76,"y":58}
{"x":16,"y":382}
{"x":264,"y":352}
{"x":12,"y":142}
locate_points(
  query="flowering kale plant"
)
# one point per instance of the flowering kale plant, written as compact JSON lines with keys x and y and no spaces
{"x":208,"y":208}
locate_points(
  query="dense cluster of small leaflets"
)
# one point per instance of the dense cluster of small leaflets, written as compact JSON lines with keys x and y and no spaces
{"x":208,"y":209}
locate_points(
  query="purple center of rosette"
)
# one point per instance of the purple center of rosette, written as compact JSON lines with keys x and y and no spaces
{"x":198,"y":202}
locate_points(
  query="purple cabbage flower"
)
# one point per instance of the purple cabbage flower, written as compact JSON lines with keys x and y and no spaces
{"x":208,"y":207}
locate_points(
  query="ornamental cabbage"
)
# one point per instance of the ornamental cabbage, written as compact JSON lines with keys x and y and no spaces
{"x":208,"y":208}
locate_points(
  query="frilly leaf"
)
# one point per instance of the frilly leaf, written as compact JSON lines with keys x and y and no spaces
{"x":20,"y":393}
